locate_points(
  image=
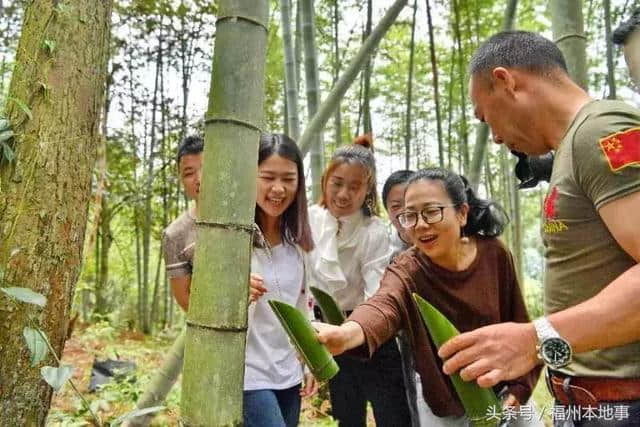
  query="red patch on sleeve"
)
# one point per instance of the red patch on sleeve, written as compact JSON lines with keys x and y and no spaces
{"x":622,"y":148}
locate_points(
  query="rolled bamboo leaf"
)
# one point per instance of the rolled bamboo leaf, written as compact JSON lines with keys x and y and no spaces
{"x":330,"y":310}
{"x":305,"y":339}
{"x":481,"y":405}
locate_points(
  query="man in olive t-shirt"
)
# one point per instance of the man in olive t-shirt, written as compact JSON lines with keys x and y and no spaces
{"x":521,"y":88}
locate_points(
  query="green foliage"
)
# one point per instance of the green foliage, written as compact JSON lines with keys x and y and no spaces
{"x":37,"y":344}
{"x":25,"y":295}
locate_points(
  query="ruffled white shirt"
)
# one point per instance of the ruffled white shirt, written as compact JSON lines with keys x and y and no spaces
{"x":350,"y":255}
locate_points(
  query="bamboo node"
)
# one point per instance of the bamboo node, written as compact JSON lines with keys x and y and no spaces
{"x":234,"y":18}
{"x":235,"y":121}
{"x":227,"y":226}
{"x":220,"y":328}
{"x":567,"y":36}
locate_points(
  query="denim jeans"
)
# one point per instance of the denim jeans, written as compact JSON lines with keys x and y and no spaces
{"x":272,"y":408}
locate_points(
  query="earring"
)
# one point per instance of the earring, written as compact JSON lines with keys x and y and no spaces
{"x":463,"y":239}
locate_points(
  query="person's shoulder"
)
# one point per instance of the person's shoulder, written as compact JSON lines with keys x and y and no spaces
{"x":179,"y":226}
{"x":604,"y":118}
{"x":407,"y":261}
{"x":493,"y":246}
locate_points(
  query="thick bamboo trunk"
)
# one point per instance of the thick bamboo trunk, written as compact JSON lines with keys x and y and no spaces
{"x":44,"y":194}
{"x":217,"y":317}
{"x":329,"y":105}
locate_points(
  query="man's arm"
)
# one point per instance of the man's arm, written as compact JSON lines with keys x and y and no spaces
{"x":181,"y":288}
{"x":611,"y":318}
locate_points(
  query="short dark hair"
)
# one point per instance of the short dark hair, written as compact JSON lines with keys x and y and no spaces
{"x":190,"y":145}
{"x":517,"y":49}
{"x":396,"y":178}
{"x":294,"y":225}
{"x":622,"y":33}
{"x":485,"y":218}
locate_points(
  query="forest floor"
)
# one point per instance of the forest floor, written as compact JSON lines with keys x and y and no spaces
{"x":101,"y":341}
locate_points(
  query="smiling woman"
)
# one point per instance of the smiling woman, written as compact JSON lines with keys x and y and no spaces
{"x":456,"y":264}
{"x":352,"y":251}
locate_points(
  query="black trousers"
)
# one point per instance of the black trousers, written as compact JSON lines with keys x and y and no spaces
{"x":379,"y":381}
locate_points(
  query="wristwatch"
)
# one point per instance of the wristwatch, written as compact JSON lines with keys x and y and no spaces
{"x":553,"y":350}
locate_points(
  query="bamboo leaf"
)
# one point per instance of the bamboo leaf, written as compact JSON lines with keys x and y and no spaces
{"x":481,"y":405}
{"x":7,"y":152}
{"x":56,"y":377}
{"x":49,"y":45}
{"x":137,"y":413}
{"x":25,"y":295}
{"x":5,"y":135}
{"x":330,"y":309}
{"x":25,"y":109}
{"x":36,"y":343}
{"x":305,"y":339}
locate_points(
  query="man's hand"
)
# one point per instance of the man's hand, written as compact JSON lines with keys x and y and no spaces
{"x":339,"y":339}
{"x":256,"y":287}
{"x":310,"y":386}
{"x":491,"y":354}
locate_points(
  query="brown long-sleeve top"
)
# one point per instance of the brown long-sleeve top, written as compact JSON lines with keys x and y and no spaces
{"x":486,"y":292}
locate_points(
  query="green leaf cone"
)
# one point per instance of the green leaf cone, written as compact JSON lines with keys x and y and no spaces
{"x":305,"y":339}
{"x":481,"y":405}
{"x":56,"y":377}
{"x":330,"y":310}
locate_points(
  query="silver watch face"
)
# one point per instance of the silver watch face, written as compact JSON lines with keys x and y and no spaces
{"x":555,"y":352}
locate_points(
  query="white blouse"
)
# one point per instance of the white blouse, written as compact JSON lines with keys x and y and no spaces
{"x":350,"y":255}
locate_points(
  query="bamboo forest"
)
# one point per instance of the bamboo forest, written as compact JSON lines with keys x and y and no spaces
{"x":390,"y":209}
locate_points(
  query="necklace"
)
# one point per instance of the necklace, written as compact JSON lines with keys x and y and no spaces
{"x":264,"y":244}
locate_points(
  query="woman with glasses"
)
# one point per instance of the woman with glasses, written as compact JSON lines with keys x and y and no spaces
{"x":460,"y":267}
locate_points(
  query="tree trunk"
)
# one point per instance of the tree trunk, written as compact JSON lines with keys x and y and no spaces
{"x":45,"y":192}
{"x":366,"y":104}
{"x":290,"y":77}
{"x":407,"y":133}
{"x":336,"y":71}
{"x":611,"y":78}
{"x":482,"y":130}
{"x":102,"y":303}
{"x":313,"y":93}
{"x":436,"y":89}
{"x":568,"y":33}
{"x":217,"y":317}
{"x":329,"y":105}
{"x":464,"y":132}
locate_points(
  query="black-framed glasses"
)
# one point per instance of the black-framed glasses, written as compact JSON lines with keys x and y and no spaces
{"x":430,"y":214}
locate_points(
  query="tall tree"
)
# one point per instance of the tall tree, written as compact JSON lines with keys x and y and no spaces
{"x":336,"y":71}
{"x":408,"y":123}
{"x":313,"y":92}
{"x":464,"y":132}
{"x":290,"y":72}
{"x":568,"y":33}
{"x":366,"y":75}
{"x":217,"y":317}
{"x":482,"y":130}
{"x":611,"y":77}
{"x":55,"y":100}
{"x":328,"y":106}
{"x":436,"y":88}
